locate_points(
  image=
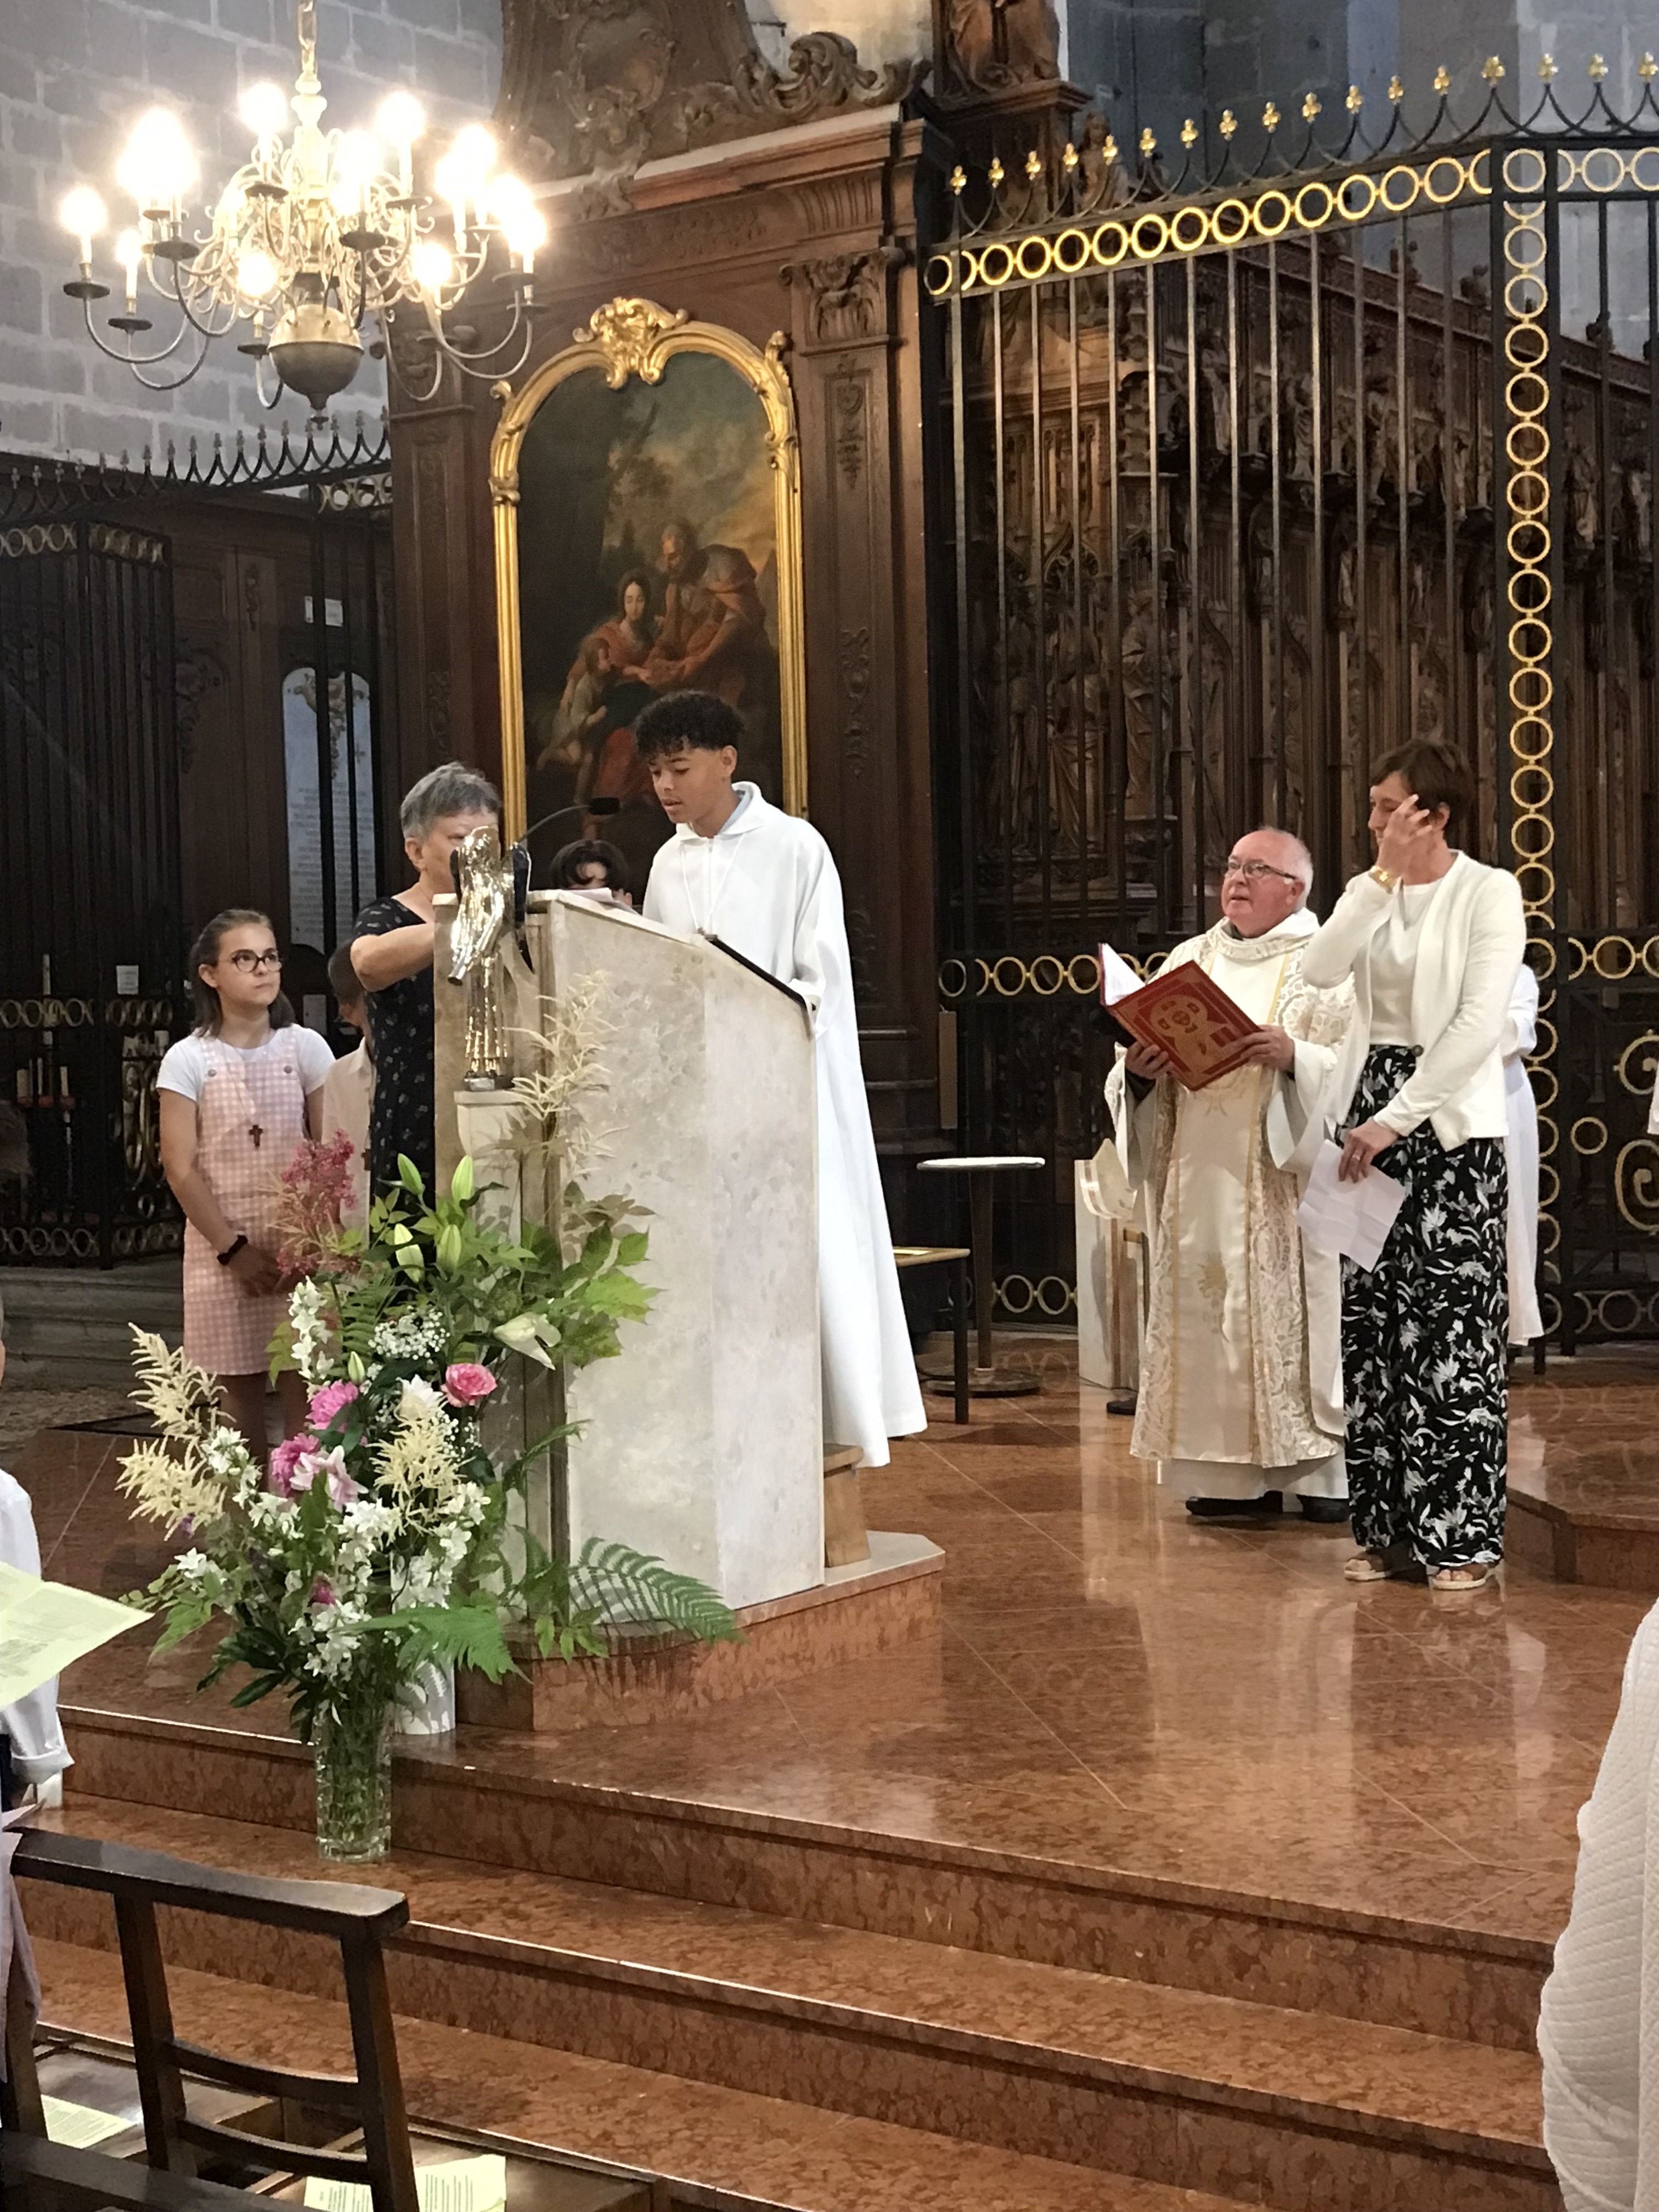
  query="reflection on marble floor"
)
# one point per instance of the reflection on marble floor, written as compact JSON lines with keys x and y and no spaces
{"x":1116,"y":1686}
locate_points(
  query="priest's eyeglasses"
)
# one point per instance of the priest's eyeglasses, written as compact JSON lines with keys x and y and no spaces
{"x":251,"y":963}
{"x":1254,"y":871}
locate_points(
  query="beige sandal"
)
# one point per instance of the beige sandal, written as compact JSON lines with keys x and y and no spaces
{"x":1474,"y":1577}
{"x":1374,"y":1567}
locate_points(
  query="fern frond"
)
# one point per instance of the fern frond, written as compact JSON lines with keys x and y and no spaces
{"x":461,"y":1635}
{"x":623,"y":1586}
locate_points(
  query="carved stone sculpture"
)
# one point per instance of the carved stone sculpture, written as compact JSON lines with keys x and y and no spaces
{"x":992,"y":46}
{"x":594,"y":87}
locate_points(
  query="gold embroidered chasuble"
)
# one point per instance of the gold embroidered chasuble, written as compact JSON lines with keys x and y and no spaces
{"x":1243,"y":1357}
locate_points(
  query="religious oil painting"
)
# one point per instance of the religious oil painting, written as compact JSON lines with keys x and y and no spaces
{"x":652,"y":547}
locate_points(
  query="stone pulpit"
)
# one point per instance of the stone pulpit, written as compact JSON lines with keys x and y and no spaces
{"x":701,"y":1443}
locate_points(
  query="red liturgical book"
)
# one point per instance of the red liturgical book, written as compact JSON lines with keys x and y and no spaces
{"x":1187,"y":1015}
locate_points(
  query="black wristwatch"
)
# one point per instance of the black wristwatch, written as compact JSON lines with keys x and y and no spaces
{"x":231,"y":1251}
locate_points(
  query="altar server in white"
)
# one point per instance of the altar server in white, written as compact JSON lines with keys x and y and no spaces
{"x":763,"y":883}
{"x":1520,"y":1038}
{"x":1241,"y":1378}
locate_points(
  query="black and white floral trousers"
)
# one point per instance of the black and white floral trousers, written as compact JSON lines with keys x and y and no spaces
{"x":1425,"y":1345}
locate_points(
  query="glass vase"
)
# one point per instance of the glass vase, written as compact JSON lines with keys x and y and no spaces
{"x":352,"y":1746}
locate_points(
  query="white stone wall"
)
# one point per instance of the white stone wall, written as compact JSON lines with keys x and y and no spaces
{"x":74,"y":75}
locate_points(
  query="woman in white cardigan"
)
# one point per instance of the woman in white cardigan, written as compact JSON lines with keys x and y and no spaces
{"x":1433,"y":941}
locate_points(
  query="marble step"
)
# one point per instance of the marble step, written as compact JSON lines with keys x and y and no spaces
{"x":716,"y":2148}
{"x":69,"y":1328}
{"x":1316,"y":2113}
{"x":518,"y":1806}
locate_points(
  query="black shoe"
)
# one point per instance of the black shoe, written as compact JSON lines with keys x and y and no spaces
{"x":1329,"y":1510}
{"x":1235,"y":1508}
{"x":1125,"y":1406}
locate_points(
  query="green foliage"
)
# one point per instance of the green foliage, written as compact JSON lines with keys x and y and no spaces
{"x":575,"y":1605}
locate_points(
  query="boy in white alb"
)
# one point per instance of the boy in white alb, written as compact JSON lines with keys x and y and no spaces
{"x":764,"y":883}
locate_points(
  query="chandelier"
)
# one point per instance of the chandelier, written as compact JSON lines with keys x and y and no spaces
{"x":314,"y":236}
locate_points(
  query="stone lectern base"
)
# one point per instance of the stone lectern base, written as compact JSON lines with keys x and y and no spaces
{"x":857,"y":1610}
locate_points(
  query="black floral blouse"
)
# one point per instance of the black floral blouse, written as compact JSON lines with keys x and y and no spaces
{"x":400,"y":1119}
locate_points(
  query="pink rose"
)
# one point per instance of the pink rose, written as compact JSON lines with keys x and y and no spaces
{"x":322,"y":1592}
{"x":466,"y":1385}
{"x":329,"y":1466}
{"x":284,"y":1459}
{"x":326,"y":1402}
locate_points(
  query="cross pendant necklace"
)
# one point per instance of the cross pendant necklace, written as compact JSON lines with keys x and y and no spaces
{"x":256,"y":1132}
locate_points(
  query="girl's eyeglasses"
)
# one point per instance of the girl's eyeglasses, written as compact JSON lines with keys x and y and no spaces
{"x":251,"y":962}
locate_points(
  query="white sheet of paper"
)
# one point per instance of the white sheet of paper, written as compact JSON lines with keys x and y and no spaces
{"x":460,"y":2184}
{"x":1352,"y":1218}
{"x":1117,"y":978}
{"x":46,"y":1625}
{"x":81,"y":2126}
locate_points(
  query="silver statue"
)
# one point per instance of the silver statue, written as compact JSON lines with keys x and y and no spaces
{"x":483,"y":910}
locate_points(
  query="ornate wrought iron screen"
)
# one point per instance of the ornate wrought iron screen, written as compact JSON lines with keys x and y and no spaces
{"x":1249,"y":477}
{"x":90,"y":954}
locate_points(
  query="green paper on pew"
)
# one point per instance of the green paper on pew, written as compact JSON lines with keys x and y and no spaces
{"x":461,"y":2184}
{"x":81,"y":2126}
{"x":44,"y":1626}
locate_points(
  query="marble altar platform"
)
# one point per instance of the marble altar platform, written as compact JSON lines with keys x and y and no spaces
{"x":1171,"y":1872}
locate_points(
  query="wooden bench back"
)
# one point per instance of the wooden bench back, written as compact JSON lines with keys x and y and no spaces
{"x":358,"y":1920}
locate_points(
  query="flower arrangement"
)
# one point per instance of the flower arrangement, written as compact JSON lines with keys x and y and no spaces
{"x":373,"y":1545}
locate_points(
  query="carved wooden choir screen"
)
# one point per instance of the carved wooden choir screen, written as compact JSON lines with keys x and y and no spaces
{"x":1242,"y":481}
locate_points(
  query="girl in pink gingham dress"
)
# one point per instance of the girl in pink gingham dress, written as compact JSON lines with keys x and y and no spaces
{"x":237,"y":1097}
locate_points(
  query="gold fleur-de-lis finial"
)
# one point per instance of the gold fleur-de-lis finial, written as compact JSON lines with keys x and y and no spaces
{"x":1310,"y":107}
{"x":1148,"y":145}
{"x":1229,"y":123}
{"x":1396,"y":90}
{"x":1068,"y":159}
{"x":1546,"y":68}
{"x":1598,"y":68}
{"x":958,"y":180}
{"x":1033,"y":165}
{"x":1355,"y":100}
{"x":1647,"y":69}
{"x":1492,"y":69}
{"x":1270,"y":116}
{"x":1442,"y":80}
{"x":1108,"y":151}
{"x":1189,"y":132}
{"x":996,"y":173}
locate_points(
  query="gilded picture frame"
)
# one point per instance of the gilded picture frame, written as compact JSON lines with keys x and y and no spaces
{"x":635,"y":338}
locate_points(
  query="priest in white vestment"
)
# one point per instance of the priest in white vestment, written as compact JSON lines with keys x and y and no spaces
{"x":1241,"y":1378}
{"x":764,"y":883}
{"x":1521,"y":1037}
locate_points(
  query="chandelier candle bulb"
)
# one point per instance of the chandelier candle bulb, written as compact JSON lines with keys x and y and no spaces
{"x":264,"y":108}
{"x":128,"y":251}
{"x":401,"y":121}
{"x":84,"y":215}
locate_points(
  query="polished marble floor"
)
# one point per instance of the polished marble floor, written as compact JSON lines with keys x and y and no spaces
{"x":1118,"y":1686}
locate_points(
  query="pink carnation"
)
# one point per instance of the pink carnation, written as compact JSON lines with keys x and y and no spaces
{"x":284,"y":1459}
{"x":467,"y":1384}
{"x":326,"y":1402}
{"x":322,"y":1592}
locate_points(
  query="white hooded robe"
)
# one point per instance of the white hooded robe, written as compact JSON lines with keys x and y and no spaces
{"x":766,"y":886}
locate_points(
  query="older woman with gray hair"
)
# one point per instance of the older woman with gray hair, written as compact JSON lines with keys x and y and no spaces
{"x":392,"y":950}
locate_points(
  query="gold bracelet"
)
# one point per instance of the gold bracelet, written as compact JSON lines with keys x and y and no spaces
{"x":1380,"y":875}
